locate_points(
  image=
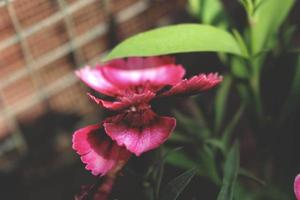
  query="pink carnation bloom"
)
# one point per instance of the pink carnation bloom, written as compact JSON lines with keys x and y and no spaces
{"x":136,"y":128}
{"x":297,"y":187}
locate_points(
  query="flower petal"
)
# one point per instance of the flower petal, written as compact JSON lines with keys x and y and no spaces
{"x":124,"y":102}
{"x":116,"y":105}
{"x":194,"y":85}
{"x":297,"y":187}
{"x":140,"y":139}
{"x":94,"y":78}
{"x":155,"y":76}
{"x":97,"y":151}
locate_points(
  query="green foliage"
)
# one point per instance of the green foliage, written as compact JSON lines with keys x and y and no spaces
{"x":177,"y":185}
{"x":231,"y":169}
{"x":182,"y":160}
{"x":248,"y":174}
{"x":221,"y":101}
{"x":177,"y":39}
{"x":265,"y":22}
{"x":293,"y":98}
{"x":239,"y":68}
{"x":209,"y":165}
{"x":209,"y":12}
{"x":228,"y":130}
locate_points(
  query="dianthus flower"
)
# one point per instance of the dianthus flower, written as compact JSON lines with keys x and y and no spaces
{"x":132,"y":84}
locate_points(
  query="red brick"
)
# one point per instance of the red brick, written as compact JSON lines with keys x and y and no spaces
{"x":53,"y":71}
{"x":6,"y":26}
{"x":30,"y":12}
{"x":118,"y":5}
{"x":18,"y":90}
{"x":88,"y":17}
{"x":11,"y":60}
{"x":148,"y":18}
{"x":48,"y":39}
{"x":69,"y":2}
{"x":94,"y":48}
{"x":72,"y":99}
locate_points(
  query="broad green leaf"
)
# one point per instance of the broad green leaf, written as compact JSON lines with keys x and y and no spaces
{"x":221,"y":101}
{"x":177,"y":185}
{"x":231,"y":169}
{"x":266,"y":21}
{"x":177,"y":39}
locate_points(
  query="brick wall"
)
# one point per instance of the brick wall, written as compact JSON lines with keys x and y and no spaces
{"x":43,"y":41}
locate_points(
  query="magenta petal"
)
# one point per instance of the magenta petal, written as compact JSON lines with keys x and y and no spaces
{"x":141,"y":139}
{"x":97,"y":151}
{"x":297,"y":187}
{"x":156,"y":76}
{"x":124,"y":102}
{"x":116,"y":105}
{"x":94,"y":78}
{"x":194,"y":85}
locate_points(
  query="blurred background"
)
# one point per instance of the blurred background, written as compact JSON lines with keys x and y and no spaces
{"x":42,"y":42}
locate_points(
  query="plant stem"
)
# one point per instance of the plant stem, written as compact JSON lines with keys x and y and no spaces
{"x":105,"y":188}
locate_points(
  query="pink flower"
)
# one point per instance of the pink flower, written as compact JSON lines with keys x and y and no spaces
{"x":136,"y":128}
{"x":297,"y":186}
{"x":97,"y":150}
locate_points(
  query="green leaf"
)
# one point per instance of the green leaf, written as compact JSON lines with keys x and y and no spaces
{"x":221,"y":101}
{"x":248,"y":6}
{"x":232,"y":124}
{"x":177,"y":39}
{"x":177,"y":185}
{"x":241,"y":42}
{"x":293,"y":98}
{"x":181,"y":160}
{"x":266,"y":21}
{"x":179,"y":137}
{"x":239,"y":68}
{"x":216,"y":143}
{"x":208,"y":164}
{"x":209,"y":12}
{"x":162,"y":159}
{"x":158,"y":172}
{"x":191,"y":126}
{"x":194,"y":7}
{"x":248,"y":174}
{"x":231,"y":169}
